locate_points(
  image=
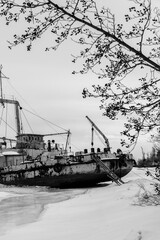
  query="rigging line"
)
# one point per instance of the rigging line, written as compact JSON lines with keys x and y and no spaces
{"x":9,"y":126}
{"x":27,"y":121}
{"x":35,"y":113}
{"x":21,"y":96}
{"x":100,"y":138}
{"x":72,"y":145}
{"x":6,"y":119}
{"x":44,"y":119}
{"x":1,"y":76}
{"x":1,"y":115}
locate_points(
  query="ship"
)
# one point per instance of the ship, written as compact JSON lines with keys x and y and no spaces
{"x":34,"y":162}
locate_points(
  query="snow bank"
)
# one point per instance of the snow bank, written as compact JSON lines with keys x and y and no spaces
{"x":110,"y":212}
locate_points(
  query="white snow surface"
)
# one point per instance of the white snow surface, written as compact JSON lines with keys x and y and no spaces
{"x":110,"y":212}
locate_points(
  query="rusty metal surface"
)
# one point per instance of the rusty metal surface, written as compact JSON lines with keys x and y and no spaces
{"x":67,"y":175}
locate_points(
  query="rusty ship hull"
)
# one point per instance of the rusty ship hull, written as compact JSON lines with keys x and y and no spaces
{"x":63,"y":175}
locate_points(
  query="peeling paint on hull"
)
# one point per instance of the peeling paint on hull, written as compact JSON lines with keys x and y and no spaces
{"x":71,"y":175}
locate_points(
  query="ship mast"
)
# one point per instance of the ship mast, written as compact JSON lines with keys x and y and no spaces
{"x":10,"y":101}
{"x":1,"y":81}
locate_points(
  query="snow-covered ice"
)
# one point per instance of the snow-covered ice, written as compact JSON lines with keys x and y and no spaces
{"x":110,"y":212}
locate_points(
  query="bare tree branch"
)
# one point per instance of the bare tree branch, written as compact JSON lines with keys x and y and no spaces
{"x":113,"y":51}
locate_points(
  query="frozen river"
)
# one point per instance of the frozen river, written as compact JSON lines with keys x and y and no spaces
{"x":22,"y":205}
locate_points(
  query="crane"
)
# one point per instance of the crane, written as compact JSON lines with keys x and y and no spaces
{"x":68,"y":135}
{"x":100,"y":132}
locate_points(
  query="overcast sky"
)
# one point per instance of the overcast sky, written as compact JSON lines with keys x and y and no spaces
{"x":45,"y":82}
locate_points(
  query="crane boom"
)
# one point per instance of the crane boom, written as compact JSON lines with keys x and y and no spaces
{"x":102,"y":134}
{"x":52,"y":134}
